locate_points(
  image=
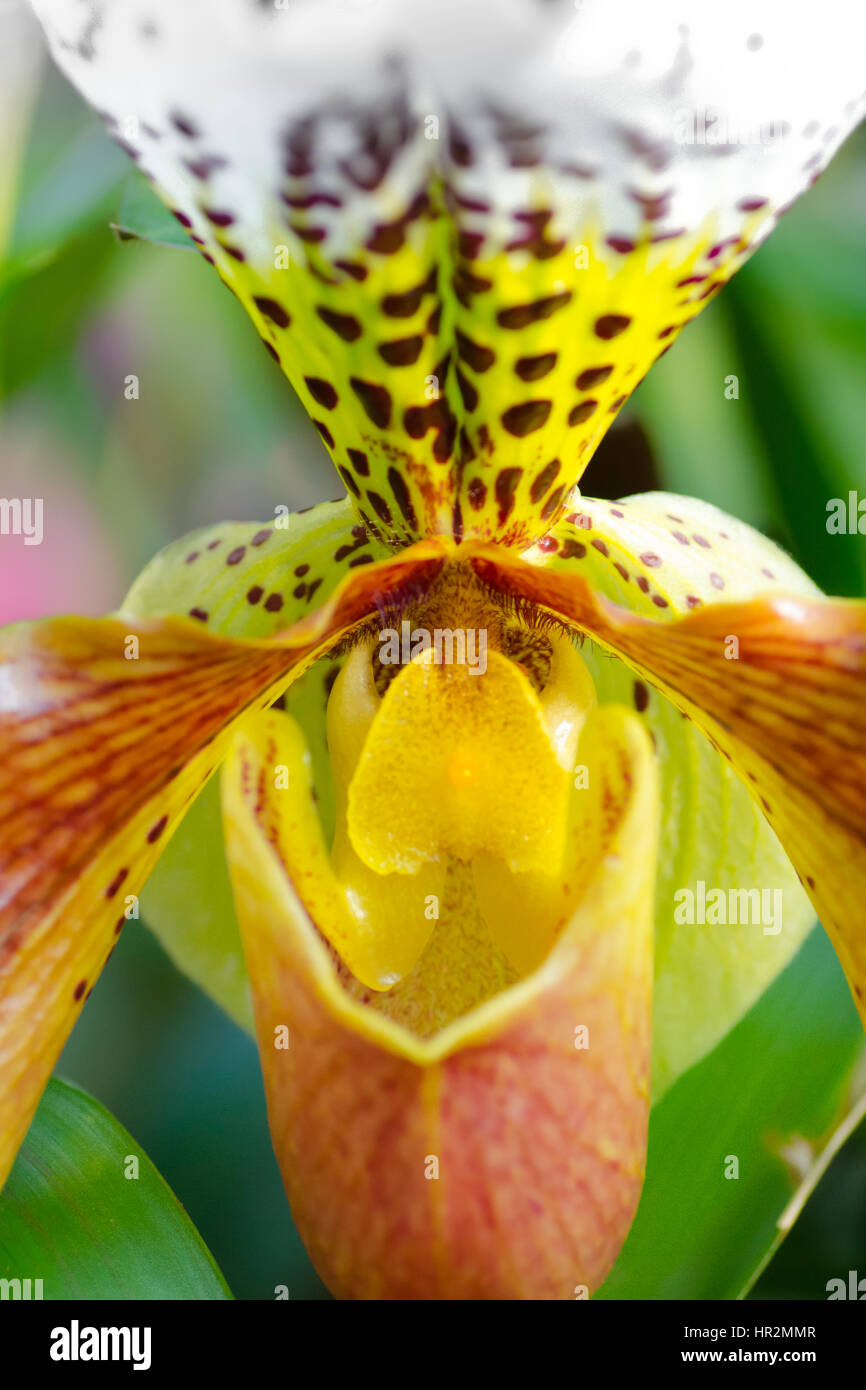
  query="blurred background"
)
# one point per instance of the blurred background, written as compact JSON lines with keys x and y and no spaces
{"x":217,"y":434}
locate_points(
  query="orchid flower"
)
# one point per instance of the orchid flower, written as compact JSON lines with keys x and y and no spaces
{"x":464,"y":232}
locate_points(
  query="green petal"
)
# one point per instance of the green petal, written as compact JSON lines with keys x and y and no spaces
{"x":465,"y":238}
{"x":187,"y":901}
{"x":663,"y":555}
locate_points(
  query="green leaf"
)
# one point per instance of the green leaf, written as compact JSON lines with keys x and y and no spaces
{"x":66,"y":199}
{"x":143,"y":216}
{"x":70,"y":1215}
{"x":792,"y":428}
{"x":770,"y":1095}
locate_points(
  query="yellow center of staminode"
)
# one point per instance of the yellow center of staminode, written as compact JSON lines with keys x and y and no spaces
{"x":465,"y":761}
{"x":459,"y":763}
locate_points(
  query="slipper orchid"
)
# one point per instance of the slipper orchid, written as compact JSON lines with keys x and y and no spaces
{"x":464,"y":234}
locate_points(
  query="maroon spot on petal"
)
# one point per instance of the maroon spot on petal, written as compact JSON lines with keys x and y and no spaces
{"x":261,"y":536}
{"x":321,"y":391}
{"x":235,"y":556}
{"x":78,"y":992}
{"x":403,"y":306}
{"x":198,"y":613}
{"x":272,"y":310}
{"x":534,"y":368}
{"x":155,"y":831}
{"x":692,"y":601}
{"x":301,"y":570}
{"x":346,"y":326}
{"x":702,"y":540}
{"x":348,"y":479}
{"x":717,"y":581}
{"x":593,"y":376}
{"x":376,"y":401}
{"x":205,"y":165}
{"x":325,"y":433}
{"x":193,"y":555}
{"x":468,"y":393}
{"x":622,"y":244}
{"x":380,"y":507}
{"x":543,"y":480}
{"x":387,"y":238}
{"x":582,"y":412}
{"x":218,"y":218}
{"x":360,"y":462}
{"x":600,"y":546}
{"x":553,"y":503}
{"x":548,"y":544}
{"x":402,"y":352}
{"x":611,"y":325}
{"x":621,"y":570}
{"x":184,"y":124}
{"x":255,"y":593}
{"x":357,"y":271}
{"x":524,"y":419}
{"x":522,"y":315}
{"x":505,"y":489}
{"x":572,"y":549}
{"x":466,"y":286}
{"x":641,"y":696}
{"x":751,"y":204}
{"x":650,"y":559}
{"x":643,"y":583}
{"x":768,"y":573}
{"x":614,"y":511}
{"x":116,"y":882}
{"x":273,"y":603}
{"x":659,"y":601}
{"x":401,"y":495}
{"x":477,"y":493}
{"x":678,"y":536}
{"x":269,"y":347}
{"x":475,"y":355}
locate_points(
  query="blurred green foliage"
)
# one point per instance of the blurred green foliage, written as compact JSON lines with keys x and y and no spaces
{"x":217,"y":434}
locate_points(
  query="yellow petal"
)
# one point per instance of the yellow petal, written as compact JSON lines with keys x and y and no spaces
{"x":464,"y":762}
{"x":502,"y":1157}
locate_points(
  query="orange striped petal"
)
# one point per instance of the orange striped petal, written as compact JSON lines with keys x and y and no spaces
{"x":789,"y":710}
{"x":108,"y":729}
{"x":502,"y":1156}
